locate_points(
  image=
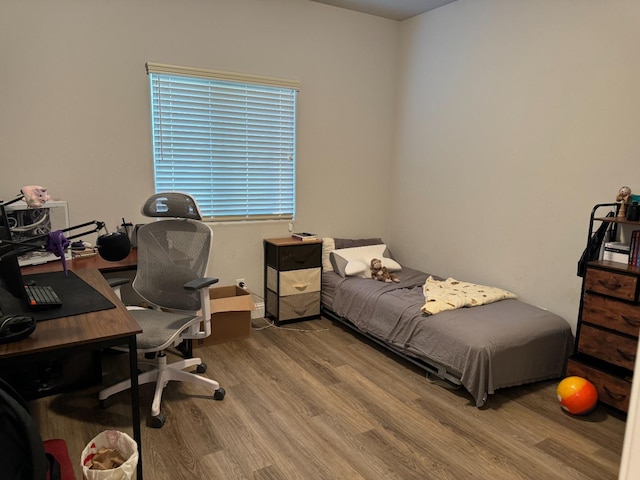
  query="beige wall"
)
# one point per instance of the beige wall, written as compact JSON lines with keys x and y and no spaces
{"x":74,"y":105}
{"x":515,"y":118}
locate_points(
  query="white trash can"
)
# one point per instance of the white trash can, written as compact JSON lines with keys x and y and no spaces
{"x":104,"y":445}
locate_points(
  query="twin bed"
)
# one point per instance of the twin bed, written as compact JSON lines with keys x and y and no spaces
{"x":482,"y":348}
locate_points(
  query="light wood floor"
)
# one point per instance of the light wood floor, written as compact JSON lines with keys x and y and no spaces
{"x":325,"y":404}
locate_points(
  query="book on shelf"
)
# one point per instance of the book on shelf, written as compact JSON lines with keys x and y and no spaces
{"x":304,"y":236}
{"x":616,"y":252}
{"x":634,"y":249}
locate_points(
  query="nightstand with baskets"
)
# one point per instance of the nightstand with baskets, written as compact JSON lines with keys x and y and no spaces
{"x":292,"y":278}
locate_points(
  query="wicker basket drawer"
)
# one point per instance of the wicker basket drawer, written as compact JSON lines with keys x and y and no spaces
{"x":612,"y":314}
{"x":607,"y":346}
{"x":272,"y":279}
{"x":299,"y":306}
{"x":612,"y":390}
{"x":295,"y":282}
{"x":293,"y":257}
{"x":610,"y":283}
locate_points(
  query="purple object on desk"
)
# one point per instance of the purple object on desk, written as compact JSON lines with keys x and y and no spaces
{"x":56,"y":243}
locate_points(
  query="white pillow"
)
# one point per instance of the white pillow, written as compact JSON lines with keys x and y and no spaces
{"x":328,"y":246}
{"x":347,"y":268}
{"x":356,"y":261}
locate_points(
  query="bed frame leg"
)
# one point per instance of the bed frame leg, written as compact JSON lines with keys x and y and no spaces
{"x":437,"y":379}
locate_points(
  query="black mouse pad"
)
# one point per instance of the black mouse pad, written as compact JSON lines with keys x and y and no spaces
{"x":77,"y":297}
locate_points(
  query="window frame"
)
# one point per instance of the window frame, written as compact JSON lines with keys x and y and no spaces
{"x":251,"y":152}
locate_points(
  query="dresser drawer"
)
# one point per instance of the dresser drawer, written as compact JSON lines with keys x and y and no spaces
{"x":272,"y":279}
{"x":294,"y":257}
{"x":606,"y":346}
{"x":612,"y":390}
{"x":299,"y":306}
{"x":611,"y":283}
{"x":296,"y":282}
{"x":612,"y":314}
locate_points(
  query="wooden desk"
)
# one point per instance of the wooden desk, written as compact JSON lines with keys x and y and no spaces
{"x":86,"y":332}
{"x":81,"y":263}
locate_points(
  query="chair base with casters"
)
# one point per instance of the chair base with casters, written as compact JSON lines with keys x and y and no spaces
{"x":162,"y":374}
{"x":154,"y":339}
{"x":173,"y":255}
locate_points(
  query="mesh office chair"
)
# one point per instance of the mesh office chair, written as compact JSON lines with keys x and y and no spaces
{"x":173,"y":254}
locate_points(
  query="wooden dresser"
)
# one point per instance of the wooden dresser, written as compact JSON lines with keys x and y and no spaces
{"x":607,"y":333}
{"x":292,"y":276}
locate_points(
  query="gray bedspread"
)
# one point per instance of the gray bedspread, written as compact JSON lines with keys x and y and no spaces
{"x":487,"y":347}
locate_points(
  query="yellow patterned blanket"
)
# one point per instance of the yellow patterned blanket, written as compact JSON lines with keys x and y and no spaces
{"x":450,"y":294}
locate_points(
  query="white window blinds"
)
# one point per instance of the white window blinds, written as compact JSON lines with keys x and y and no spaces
{"x":227,"y":139}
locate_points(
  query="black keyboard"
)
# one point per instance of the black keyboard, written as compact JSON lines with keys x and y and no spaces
{"x":42,"y":297}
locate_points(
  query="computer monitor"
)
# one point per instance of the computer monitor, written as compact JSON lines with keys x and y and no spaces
{"x":10,"y":275}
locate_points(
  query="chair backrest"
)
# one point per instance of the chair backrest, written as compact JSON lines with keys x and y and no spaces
{"x":171,"y":252}
{"x":172,"y":205}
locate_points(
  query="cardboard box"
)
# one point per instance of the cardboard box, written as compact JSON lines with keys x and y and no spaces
{"x":230,"y":315}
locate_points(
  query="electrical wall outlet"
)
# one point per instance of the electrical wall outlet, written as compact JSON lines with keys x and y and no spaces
{"x":240,"y":282}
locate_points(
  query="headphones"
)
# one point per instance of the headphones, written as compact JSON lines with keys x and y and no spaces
{"x":16,"y":327}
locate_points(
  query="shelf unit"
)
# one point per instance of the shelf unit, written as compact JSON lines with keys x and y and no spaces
{"x":608,"y":323}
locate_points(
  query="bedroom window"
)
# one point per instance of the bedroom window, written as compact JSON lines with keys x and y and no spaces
{"x":227,"y":139}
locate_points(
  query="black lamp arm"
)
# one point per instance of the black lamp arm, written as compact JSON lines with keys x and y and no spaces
{"x":27,"y":246}
{"x":9,"y":202}
{"x":98,"y":226}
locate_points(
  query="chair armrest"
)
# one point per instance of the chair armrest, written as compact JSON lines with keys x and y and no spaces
{"x":199,"y":283}
{"x":116,"y":282}
{"x":201,"y":329}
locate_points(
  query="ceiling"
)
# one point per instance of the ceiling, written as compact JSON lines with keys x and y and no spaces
{"x":393,"y":9}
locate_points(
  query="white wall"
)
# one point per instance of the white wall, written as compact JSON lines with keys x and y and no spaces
{"x":74,"y":105}
{"x":515,"y":118}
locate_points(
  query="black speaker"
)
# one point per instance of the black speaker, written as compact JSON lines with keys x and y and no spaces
{"x":113,"y":246}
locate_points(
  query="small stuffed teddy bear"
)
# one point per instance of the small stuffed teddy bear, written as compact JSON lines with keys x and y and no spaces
{"x":378,"y":272}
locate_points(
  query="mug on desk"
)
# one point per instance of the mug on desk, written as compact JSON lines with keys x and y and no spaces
{"x":131,"y":231}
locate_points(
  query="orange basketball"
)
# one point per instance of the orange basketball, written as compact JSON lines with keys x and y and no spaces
{"x":577,"y":395}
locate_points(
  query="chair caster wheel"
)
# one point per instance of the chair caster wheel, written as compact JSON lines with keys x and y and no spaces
{"x":157,"y":421}
{"x":104,"y":404}
{"x":201,"y":368}
{"x":219,"y":394}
